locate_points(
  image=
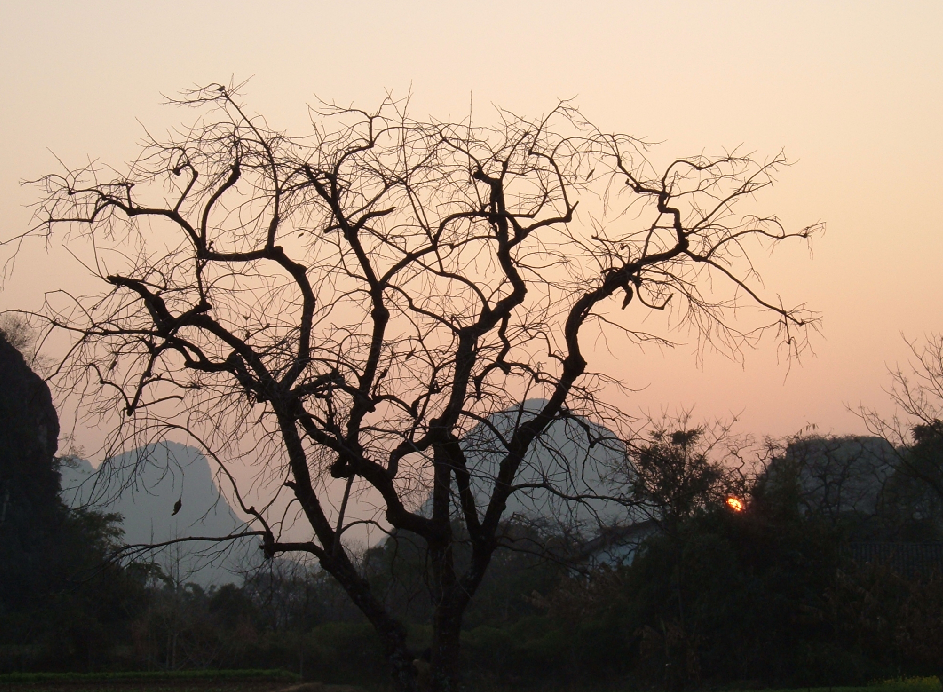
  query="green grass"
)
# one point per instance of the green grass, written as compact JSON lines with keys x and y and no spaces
{"x":930,"y":684}
{"x":912,"y":685}
{"x":903,"y":685}
{"x":177,"y":676}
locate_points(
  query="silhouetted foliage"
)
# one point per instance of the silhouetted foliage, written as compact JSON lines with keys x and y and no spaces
{"x":62,"y":604}
{"x":674,"y":476}
{"x":916,"y":429}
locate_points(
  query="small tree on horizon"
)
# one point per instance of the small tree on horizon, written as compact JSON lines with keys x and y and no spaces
{"x":915,"y":431}
{"x":345,"y":307}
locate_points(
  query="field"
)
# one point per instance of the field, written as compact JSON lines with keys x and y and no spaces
{"x":184,"y":681}
{"x":909,"y":685}
{"x":275,"y":681}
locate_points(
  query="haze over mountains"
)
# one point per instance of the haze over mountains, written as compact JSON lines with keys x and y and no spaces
{"x":144,"y":486}
{"x":573,"y":457}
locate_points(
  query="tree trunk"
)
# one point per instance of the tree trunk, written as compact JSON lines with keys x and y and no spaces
{"x":392,"y":633}
{"x":454,"y":595}
{"x":446,"y":645}
{"x":334,"y":558}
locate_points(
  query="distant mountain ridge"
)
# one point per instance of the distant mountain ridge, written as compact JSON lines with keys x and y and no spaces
{"x":571,"y":458}
{"x":144,"y":486}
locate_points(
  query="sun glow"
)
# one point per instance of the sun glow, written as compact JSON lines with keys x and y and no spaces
{"x":735,"y":504}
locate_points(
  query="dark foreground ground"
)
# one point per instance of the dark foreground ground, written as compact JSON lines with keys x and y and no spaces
{"x":129,"y":686}
{"x":172,"y":686}
{"x":204,"y":681}
{"x":238,"y":684}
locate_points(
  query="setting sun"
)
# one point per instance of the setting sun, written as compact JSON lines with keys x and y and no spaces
{"x":735,"y":504}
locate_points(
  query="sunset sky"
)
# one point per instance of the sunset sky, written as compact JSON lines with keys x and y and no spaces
{"x":853,"y":91}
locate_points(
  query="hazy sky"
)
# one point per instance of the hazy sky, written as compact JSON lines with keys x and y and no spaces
{"x":853,"y":91}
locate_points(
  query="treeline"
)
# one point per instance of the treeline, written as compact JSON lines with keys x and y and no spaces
{"x":769,"y":590}
{"x":767,"y":596}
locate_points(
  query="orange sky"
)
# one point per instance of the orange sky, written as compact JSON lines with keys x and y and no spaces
{"x":853,"y":92}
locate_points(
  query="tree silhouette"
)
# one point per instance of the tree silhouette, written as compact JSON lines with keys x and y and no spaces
{"x":344,"y":307}
{"x":679,"y":471}
{"x":916,"y":430}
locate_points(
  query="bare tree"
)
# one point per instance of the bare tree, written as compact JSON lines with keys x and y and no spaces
{"x":18,"y":332}
{"x":916,"y":429}
{"x":345,"y":307}
{"x":838,"y":477}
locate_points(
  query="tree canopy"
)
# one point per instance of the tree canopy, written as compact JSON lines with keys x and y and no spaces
{"x":345,"y":306}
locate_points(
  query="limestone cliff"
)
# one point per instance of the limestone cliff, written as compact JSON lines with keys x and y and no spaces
{"x":29,"y":431}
